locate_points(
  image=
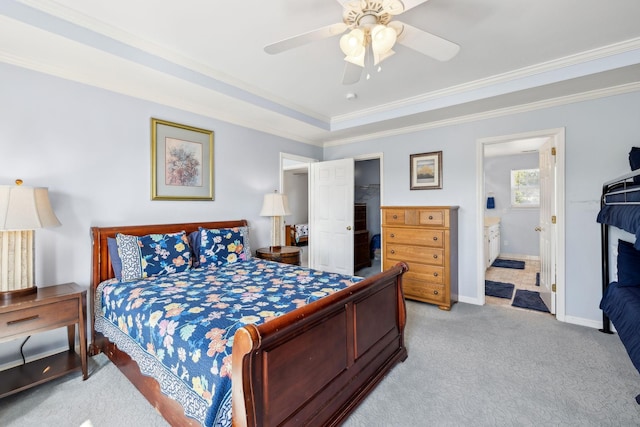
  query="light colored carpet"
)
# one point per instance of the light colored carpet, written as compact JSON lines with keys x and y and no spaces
{"x":473,"y":366}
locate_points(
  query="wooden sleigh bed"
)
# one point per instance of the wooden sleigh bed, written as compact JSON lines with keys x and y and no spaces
{"x":279,"y":375}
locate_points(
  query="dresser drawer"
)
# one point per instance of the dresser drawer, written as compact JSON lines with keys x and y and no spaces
{"x":431,"y":217}
{"x":434,"y":238}
{"x":420,"y":254}
{"x":394,"y":216}
{"x":415,"y":288}
{"x":48,"y":316}
{"x":419,"y":271}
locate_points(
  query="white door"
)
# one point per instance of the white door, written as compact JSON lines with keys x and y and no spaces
{"x":331,"y":194}
{"x":547,"y":228}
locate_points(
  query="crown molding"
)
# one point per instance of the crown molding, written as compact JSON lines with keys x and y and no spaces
{"x":549,"y":66}
{"x":523,"y":108}
{"x":55,"y":9}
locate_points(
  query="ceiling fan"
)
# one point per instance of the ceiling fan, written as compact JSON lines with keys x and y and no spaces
{"x":372,"y":35}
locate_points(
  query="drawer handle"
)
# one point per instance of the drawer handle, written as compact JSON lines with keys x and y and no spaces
{"x":435,"y":256}
{"x":395,"y":217}
{"x":430,"y":216}
{"x":435,"y":238}
{"x":392,"y":251}
{"x":435,"y":274}
{"x":393,"y":235}
{"x":26,"y":319}
{"x":435,"y":292}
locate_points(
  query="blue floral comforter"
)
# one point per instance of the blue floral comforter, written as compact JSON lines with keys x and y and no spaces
{"x":179,"y":328}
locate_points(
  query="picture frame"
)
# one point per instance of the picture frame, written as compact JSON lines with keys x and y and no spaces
{"x":426,"y":171}
{"x":182,"y":165}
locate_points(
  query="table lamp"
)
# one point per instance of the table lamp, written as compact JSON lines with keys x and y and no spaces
{"x":276,"y":206}
{"x":22,"y":210}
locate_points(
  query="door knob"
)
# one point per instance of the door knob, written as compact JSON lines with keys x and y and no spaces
{"x":538,"y":228}
{"x":349,"y":227}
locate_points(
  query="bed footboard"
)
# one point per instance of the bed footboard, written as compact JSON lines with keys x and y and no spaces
{"x":314,"y":365}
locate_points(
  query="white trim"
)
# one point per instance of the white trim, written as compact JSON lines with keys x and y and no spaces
{"x":276,"y":123}
{"x":100,"y":27}
{"x":595,"y":324}
{"x":519,"y":256}
{"x":559,"y":135}
{"x":522,"y":108}
{"x":510,"y":76}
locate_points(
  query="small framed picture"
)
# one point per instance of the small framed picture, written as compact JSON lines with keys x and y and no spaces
{"x":181,"y":162}
{"x":426,"y":171}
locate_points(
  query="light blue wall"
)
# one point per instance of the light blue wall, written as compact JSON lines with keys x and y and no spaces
{"x":517,"y":234}
{"x":91,"y":148}
{"x":599,"y":135}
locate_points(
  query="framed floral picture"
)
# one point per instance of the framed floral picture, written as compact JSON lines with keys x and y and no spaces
{"x":181,"y":162}
{"x":426,"y":171}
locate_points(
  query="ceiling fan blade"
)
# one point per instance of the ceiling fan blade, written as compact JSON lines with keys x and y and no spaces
{"x":425,"y":43}
{"x":352,"y":73}
{"x":302,"y":39}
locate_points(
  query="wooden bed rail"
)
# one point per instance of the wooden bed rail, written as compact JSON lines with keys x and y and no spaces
{"x":314,"y":365}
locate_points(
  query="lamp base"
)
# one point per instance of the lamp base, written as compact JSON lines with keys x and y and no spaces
{"x":17,"y":293}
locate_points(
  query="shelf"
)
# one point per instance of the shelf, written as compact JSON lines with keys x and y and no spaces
{"x":39,"y":371}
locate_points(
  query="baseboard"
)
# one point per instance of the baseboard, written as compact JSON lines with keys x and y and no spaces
{"x":519,"y":256}
{"x":469,"y":300}
{"x":596,"y":324}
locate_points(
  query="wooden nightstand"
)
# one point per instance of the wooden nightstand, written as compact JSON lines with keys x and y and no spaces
{"x":50,"y":308}
{"x":285,"y":254}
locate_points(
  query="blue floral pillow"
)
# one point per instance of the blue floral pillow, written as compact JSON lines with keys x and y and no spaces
{"x":153,"y":254}
{"x":221,"y":246}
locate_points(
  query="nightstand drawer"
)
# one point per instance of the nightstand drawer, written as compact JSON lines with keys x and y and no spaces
{"x":434,"y":238}
{"x":43,"y":317}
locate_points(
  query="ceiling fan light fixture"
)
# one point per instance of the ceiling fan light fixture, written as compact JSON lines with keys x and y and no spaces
{"x":356,"y":59}
{"x":352,"y":44}
{"x":382,"y":39}
{"x":379,"y":57}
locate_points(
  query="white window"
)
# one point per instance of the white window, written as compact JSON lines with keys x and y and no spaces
{"x":525,"y":188}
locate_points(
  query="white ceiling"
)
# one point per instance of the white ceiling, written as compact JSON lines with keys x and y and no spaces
{"x":207,"y":57}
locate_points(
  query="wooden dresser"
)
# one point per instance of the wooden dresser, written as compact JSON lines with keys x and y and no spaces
{"x":426,"y":238}
{"x":361,"y":253}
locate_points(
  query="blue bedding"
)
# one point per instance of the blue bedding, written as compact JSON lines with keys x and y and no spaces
{"x":625,"y":217}
{"x":179,"y":327}
{"x":622,"y":305}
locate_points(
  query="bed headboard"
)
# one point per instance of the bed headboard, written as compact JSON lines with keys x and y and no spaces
{"x":101,"y":269}
{"x":101,"y":262}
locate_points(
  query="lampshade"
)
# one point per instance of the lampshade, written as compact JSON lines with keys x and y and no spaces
{"x":25,"y":208}
{"x":275,"y":204}
{"x":22,"y":210}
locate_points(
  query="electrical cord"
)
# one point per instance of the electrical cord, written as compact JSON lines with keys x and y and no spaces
{"x":21,"y":352}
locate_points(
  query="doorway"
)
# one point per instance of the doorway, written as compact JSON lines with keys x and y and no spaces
{"x":519,"y":229}
{"x":368,"y":169}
